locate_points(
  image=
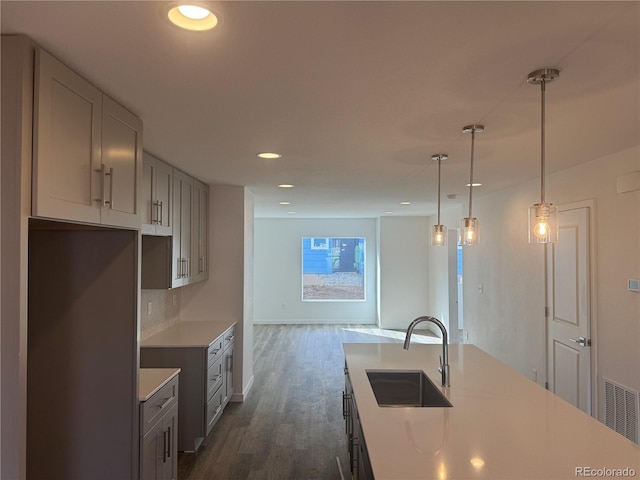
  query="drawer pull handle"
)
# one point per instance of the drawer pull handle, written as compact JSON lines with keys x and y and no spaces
{"x":167,"y":402}
{"x":230,"y":339}
{"x":169,"y":442}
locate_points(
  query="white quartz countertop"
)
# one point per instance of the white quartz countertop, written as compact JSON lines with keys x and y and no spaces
{"x":150,"y":380}
{"x":188,"y":334}
{"x":501,"y":425}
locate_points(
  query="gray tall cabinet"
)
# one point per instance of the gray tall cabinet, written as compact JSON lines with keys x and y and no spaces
{"x":76,"y":155}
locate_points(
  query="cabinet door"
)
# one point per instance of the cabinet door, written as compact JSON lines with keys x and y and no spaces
{"x":67,"y":141}
{"x":155,"y":205}
{"x":152,"y":452}
{"x":200,"y":231}
{"x":122,"y":162}
{"x":164,"y":187}
{"x":182,"y":199}
{"x":170,"y":456}
{"x":148,"y":208}
{"x":228,"y":374}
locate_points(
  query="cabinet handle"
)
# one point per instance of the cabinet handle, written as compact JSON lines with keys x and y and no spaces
{"x":169,"y":442}
{"x":100,"y":171}
{"x":154,"y":209}
{"x":166,"y":402}
{"x":160,"y":208}
{"x":164,"y":447}
{"x":110,"y":175}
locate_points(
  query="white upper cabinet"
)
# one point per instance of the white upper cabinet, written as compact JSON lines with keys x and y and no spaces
{"x":87,"y":150}
{"x":182,"y":245}
{"x":155,"y":206}
{"x":200,"y":231}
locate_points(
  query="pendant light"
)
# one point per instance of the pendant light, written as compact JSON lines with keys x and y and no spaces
{"x":469,"y":231}
{"x":439,"y":235}
{"x":543,"y":218}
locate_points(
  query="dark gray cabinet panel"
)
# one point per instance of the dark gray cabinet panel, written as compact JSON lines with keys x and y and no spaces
{"x":82,"y":360}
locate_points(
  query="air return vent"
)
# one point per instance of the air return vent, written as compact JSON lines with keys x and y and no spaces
{"x":621,"y":409}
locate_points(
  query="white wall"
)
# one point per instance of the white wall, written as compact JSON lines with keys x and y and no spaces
{"x":507,"y":320}
{"x":224,"y":295}
{"x":404,"y":244}
{"x":278,"y":271}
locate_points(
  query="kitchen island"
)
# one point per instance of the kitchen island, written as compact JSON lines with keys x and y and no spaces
{"x":501,"y":425}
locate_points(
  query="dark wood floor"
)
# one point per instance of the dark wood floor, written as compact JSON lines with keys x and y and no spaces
{"x":290,"y":427}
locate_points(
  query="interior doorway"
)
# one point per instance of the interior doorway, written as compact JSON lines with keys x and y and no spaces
{"x":454,"y":253}
{"x":569,"y":312}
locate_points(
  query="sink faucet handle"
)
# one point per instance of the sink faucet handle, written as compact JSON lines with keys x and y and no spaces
{"x":440,"y":367}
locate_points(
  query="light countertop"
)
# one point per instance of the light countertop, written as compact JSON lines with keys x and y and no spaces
{"x":150,"y":380}
{"x":188,"y":334}
{"x":501,"y":425}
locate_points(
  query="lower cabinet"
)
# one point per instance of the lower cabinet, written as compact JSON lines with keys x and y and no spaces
{"x":359,"y":463}
{"x":159,"y":434}
{"x":206,"y":384}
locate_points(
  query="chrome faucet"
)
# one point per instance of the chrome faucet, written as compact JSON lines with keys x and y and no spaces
{"x":444,"y":367}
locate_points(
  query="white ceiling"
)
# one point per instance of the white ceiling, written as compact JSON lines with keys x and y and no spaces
{"x":357,"y":96}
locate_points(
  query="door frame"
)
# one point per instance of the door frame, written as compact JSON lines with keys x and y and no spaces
{"x":590,"y":204}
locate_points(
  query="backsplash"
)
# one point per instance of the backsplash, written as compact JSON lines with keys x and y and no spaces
{"x":165,"y":310}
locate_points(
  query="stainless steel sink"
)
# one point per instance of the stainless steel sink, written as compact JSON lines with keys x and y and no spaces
{"x":405,"y":388}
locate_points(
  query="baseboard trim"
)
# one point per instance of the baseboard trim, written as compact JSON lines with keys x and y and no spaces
{"x":240,"y":397}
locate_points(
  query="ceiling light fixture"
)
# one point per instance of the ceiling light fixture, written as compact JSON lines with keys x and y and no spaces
{"x":405,"y":203}
{"x":285,"y":185}
{"x":439,"y":236}
{"x":543,"y":218}
{"x":192,"y":17}
{"x":269,"y":155}
{"x":285,"y":203}
{"x":469,"y":231}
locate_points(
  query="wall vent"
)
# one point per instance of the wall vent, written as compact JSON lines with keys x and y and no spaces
{"x":621,"y":409}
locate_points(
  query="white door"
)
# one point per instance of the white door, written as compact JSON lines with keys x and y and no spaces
{"x":569,"y":309}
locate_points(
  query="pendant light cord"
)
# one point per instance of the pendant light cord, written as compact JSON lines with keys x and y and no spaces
{"x":439,"y":163}
{"x":473,"y":137}
{"x":542,"y":140}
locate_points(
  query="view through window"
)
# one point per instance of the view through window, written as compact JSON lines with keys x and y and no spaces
{"x":333,"y":269}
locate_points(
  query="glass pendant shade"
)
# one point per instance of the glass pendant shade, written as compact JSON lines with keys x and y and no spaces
{"x":543,"y":223}
{"x":543,"y":218}
{"x":439,"y":236}
{"x":469,"y":231}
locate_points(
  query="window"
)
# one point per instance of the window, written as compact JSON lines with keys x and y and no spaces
{"x":333,"y":269}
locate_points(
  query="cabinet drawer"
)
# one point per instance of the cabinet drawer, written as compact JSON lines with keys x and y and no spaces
{"x":215,"y":350}
{"x":229,"y":335}
{"x":214,"y":409}
{"x":153,"y":409}
{"x":215,"y":375}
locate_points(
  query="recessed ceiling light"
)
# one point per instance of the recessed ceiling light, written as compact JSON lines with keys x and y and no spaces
{"x":475,"y":184}
{"x":291,"y":213}
{"x":285,"y":185}
{"x":388,"y":212}
{"x":285,"y":203}
{"x":192,"y":17}
{"x":269,"y":155}
{"x":405,"y":203}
